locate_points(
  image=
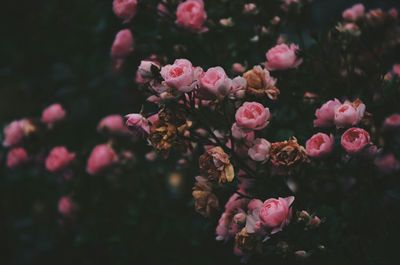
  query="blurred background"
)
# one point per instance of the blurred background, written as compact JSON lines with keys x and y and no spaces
{"x":58,"y":51}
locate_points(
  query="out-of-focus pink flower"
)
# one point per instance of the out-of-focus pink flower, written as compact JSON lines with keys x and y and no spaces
{"x":16,"y":131}
{"x":387,"y":163}
{"x":239,"y":133}
{"x":276,"y":213}
{"x":16,"y":157}
{"x":349,"y":114}
{"x":260,"y":150}
{"x":238,"y":68}
{"x":326,"y":113}
{"x":393,"y":12}
{"x":191,"y":15}
{"x":319,"y":145}
{"x":113,"y":124}
{"x":250,"y":8}
{"x":125,"y":9}
{"x":215,"y":81}
{"x":180,"y":75}
{"x":138,"y":122}
{"x":355,"y":140}
{"x":122,"y":45}
{"x":252,"y":116}
{"x":58,"y":159}
{"x":393,"y":121}
{"x":53,"y":114}
{"x":396,"y":69}
{"x":282,"y":57}
{"x":354,"y":13}
{"x":66,"y":206}
{"x":102,"y":157}
{"x":162,"y":9}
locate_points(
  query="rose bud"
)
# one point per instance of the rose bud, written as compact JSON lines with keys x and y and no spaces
{"x":137,"y":122}
{"x":53,"y":114}
{"x":112,"y":124}
{"x":315,"y":221}
{"x":260,"y":150}
{"x":102,"y":157}
{"x":238,"y":68}
{"x":392,"y":122}
{"x":355,"y":140}
{"x":250,"y":8}
{"x":145,"y":70}
{"x":310,"y":97}
{"x":326,"y":113}
{"x":252,"y":116}
{"x":16,"y":131}
{"x":282,"y":57}
{"x":16,"y":157}
{"x":180,"y":75}
{"x":125,"y":9}
{"x":301,"y":254}
{"x":354,"y":13}
{"x":215,"y":82}
{"x":122,"y":45}
{"x":349,"y":114}
{"x":260,"y":83}
{"x":226,"y":22}
{"x":58,"y":159}
{"x":191,"y":15}
{"x":319,"y":145}
{"x":276,"y":213}
{"x":66,"y":206}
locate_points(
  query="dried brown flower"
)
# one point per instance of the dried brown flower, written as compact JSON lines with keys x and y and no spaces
{"x":260,"y":83}
{"x":248,"y":242}
{"x":215,"y":164}
{"x":205,"y":201}
{"x":287,"y":153}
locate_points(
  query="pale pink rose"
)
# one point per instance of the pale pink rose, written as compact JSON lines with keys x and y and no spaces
{"x":122,"y":45}
{"x":387,"y":163}
{"x":145,"y":70}
{"x":66,"y":206}
{"x":282,"y":57}
{"x":53,"y":114}
{"x":349,"y":114}
{"x":180,"y":75}
{"x":354,"y":13}
{"x":239,"y":133}
{"x":137,"y":122}
{"x":125,"y":9}
{"x":319,"y":145}
{"x":276,"y":213}
{"x":58,"y":159}
{"x":102,"y":157}
{"x":191,"y":15}
{"x":238,"y":88}
{"x":113,"y":124}
{"x":16,"y":131}
{"x":393,"y":121}
{"x":260,"y":150}
{"x":215,"y":81}
{"x":238,"y":68}
{"x":252,"y":116}
{"x":355,"y":140}
{"x":326,"y":113}
{"x":16,"y":157}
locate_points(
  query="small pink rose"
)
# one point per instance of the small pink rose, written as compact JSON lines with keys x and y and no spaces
{"x":113,"y":124}
{"x":16,"y":131}
{"x":215,"y":81}
{"x":354,"y":13}
{"x":122,"y":45}
{"x":238,"y":68}
{"x":66,"y":206}
{"x":53,"y":114}
{"x":58,"y":159}
{"x":16,"y":157}
{"x":276,"y":213}
{"x":326,"y":113}
{"x":349,"y":114}
{"x":191,"y":15}
{"x":282,"y":57}
{"x":137,"y":122}
{"x":355,"y":140}
{"x":239,"y":133}
{"x":260,"y":150}
{"x":252,"y":116}
{"x":319,"y":145}
{"x":125,"y":9}
{"x":393,"y":121}
{"x":180,"y":75}
{"x":102,"y":157}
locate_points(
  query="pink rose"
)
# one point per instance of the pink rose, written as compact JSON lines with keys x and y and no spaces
{"x":354,"y":140}
{"x":145,"y":70}
{"x":238,"y":68}
{"x":137,"y":122}
{"x":238,"y":88}
{"x":180,"y":75}
{"x":215,"y":81}
{"x":112,"y":123}
{"x":282,"y":57}
{"x":276,"y":213}
{"x":122,"y":45}
{"x":239,"y":133}
{"x":191,"y":15}
{"x":252,"y":116}
{"x":393,"y":121}
{"x":326,"y":113}
{"x":58,"y":159}
{"x":125,"y":9}
{"x":387,"y":163}
{"x":319,"y":145}
{"x":16,"y":131}
{"x":53,"y":114}
{"x":66,"y":206}
{"x":16,"y":157}
{"x":102,"y":157}
{"x":260,"y":150}
{"x":353,"y":13}
{"x":349,"y":114}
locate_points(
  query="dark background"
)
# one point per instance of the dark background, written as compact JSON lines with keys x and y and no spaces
{"x":58,"y":51}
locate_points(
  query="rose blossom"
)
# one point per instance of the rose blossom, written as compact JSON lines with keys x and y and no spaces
{"x":354,"y":140}
{"x":349,"y":114}
{"x":353,"y":13}
{"x":319,"y":145}
{"x":393,"y":121}
{"x":215,"y":81}
{"x":260,"y":83}
{"x":282,"y":57}
{"x":53,"y":114}
{"x":180,"y":75}
{"x":122,"y":45}
{"x":238,"y":88}
{"x":102,"y":157}
{"x":66,"y":206}
{"x":125,"y":9}
{"x":260,"y":150}
{"x":145,"y":70}
{"x":16,"y":157}
{"x":238,"y":133}
{"x":58,"y":159}
{"x":252,"y":116}
{"x":276,"y":213}
{"x":16,"y":131}
{"x":191,"y":15}
{"x":112,"y":123}
{"x":137,"y":122}
{"x":326,"y":113}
